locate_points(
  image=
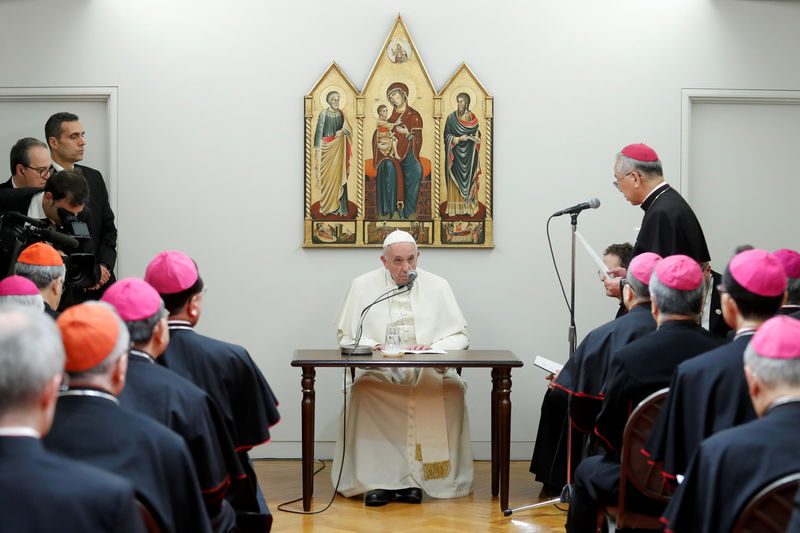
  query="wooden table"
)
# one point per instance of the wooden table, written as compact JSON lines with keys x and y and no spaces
{"x":500,"y":361}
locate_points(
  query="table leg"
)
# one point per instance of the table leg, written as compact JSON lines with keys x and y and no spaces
{"x":505,"y":433}
{"x":495,"y":433}
{"x":307,"y":405}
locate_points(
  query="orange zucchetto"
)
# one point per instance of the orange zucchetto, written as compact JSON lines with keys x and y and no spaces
{"x":89,"y":332}
{"x":40,"y":254}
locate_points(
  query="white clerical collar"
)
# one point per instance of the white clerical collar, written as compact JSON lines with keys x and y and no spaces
{"x":141,"y":355}
{"x":179,"y":324}
{"x":19,"y":431}
{"x":782,"y":401}
{"x":89,"y":392}
{"x":744,"y":332}
{"x":656,"y":188}
{"x":35,"y":209}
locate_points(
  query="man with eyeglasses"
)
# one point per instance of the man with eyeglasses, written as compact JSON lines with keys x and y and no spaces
{"x":30,"y":164}
{"x":65,"y":137}
{"x":669,"y":226}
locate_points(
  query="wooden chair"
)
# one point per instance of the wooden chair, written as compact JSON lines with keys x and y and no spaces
{"x":771,"y":509}
{"x":636,"y":471}
{"x":150,"y":523}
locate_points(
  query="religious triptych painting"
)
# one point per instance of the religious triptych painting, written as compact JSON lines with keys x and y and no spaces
{"x":398,"y":154}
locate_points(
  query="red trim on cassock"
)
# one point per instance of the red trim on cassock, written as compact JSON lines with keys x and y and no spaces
{"x":606,"y":440}
{"x":580,"y":394}
{"x":249,"y":447}
{"x":215,"y":495}
{"x":668,"y":476}
{"x":645,"y":453}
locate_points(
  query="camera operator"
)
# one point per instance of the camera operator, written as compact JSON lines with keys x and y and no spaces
{"x":66,"y":193}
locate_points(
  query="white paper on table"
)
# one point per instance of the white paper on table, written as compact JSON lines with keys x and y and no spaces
{"x":597,"y":258}
{"x":425,"y":351}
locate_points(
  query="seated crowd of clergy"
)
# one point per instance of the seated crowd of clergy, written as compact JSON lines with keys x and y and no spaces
{"x":120,"y":405}
{"x":731,"y":398}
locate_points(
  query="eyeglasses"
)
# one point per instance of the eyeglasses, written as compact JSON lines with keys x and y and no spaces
{"x":42,"y":171}
{"x":616,"y":181}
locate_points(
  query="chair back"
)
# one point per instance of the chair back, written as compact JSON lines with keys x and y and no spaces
{"x":150,"y":523}
{"x":645,"y":477}
{"x":770,"y":509}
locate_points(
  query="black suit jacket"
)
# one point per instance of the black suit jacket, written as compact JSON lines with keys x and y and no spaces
{"x":101,"y":218}
{"x":7,"y":184}
{"x":716,"y":322}
{"x":16,"y":200}
{"x":44,"y":492}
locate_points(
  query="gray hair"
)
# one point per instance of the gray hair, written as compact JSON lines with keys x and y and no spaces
{"x":31,"y":353}
{"x":142,"y":330}
{"x":793,"y":291}
{"x":773,"y":372}
{"x":675,"y":301}
{"x":330,"y":96}
{"x":640,"y":290}
{"x":23,"y":300}
{"x":42,"y":276}
{"x":121,"y":348}
{"x":649,"y":169}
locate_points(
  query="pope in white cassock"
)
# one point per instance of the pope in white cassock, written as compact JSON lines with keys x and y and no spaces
{"x":407,"y":428}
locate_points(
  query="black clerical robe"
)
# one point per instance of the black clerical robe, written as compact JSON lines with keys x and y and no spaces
{"x":730,"y":467}
{"x":644,"y":366}
{"x":636,"y":370}
{"x":707,"y":394}
{"x":582,"y":378}
{"x":670,"y":227}
{"x":96,"y":430}
{"x":157,"y":392}
{"x":44,"y":492}
{"x":229,"y":375}
{"x":585,"y":372}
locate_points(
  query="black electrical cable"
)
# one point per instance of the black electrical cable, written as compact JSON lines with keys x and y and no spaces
{"x":385,"y":296}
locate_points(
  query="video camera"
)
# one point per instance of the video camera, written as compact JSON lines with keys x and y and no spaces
{"x":18,"y":231}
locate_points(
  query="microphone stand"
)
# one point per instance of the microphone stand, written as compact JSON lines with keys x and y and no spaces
{"x":355,"y":349}
{"x":566,"y":492}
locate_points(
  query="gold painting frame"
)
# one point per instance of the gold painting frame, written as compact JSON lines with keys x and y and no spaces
{"x":398,"y":154}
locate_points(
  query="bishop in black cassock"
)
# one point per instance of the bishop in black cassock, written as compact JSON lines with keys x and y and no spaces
{"x":731,"y":466}
{"x":91,"y":426}
{"x":225,"y":371}
{"x":637,"y":370}
{"x":583,"y":376}
{"x":164,"y":396}
{"x":709,"y":393}
{"x":669,"y":226}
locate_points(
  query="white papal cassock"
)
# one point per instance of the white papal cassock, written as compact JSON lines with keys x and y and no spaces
{"x":406,"y":427}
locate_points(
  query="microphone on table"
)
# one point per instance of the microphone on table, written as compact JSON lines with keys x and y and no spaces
{"x":355,"y":349}
{"x":594,"y":203}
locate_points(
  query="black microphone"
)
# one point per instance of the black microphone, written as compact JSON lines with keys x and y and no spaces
{"x":594,"y":203}
{"x":60,"y":239}
{"x":355,"y":348}
{"x":412,"y":275}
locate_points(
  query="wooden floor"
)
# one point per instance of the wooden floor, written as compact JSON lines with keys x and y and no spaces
{"x":479,"y":512}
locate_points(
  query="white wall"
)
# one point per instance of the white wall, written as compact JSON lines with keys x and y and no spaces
{"x":211,"y":148}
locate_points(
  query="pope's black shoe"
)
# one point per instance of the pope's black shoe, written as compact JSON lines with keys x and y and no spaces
{"x":409,"y":495}
{"x":378,"y":497}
